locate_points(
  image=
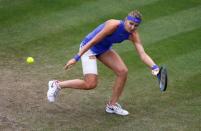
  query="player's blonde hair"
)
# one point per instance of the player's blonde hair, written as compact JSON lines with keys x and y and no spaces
{"x":135,"y":13}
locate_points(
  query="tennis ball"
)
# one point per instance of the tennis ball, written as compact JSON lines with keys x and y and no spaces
{"x":30,"y":60}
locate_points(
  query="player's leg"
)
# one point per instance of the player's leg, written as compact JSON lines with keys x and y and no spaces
{"x":89,"y":66}
{"x":89,"y":82}
{"x":112,"y":60}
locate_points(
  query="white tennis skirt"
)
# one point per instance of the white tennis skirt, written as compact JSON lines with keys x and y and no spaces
{"x":89,"y":63}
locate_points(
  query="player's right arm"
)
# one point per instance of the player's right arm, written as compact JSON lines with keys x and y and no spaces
{"x":135,"y":38}
{"x":109,"y":28}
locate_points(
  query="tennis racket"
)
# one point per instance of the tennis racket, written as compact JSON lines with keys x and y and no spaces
{"x":163,"y":78}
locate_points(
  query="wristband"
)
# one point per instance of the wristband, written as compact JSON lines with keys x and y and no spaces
{"x":77,"y":57}
{"x":154,"y":67}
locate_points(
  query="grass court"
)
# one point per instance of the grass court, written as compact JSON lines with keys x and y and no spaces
{"x":51,"y":31}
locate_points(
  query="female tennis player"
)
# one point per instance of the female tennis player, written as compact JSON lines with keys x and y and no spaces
{"x":97,"y":45}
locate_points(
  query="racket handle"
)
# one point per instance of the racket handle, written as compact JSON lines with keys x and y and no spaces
{"x":159,"y":76}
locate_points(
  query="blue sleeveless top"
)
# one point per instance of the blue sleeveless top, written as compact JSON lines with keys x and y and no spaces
{"x":116,"y":37}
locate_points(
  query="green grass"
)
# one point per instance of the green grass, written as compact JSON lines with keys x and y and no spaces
{"x":51,"y":31}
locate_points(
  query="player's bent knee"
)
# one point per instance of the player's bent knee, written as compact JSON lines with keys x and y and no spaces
{"x":90,"y":81}
{"x":122,"y":72}
{"x":90,"y":85}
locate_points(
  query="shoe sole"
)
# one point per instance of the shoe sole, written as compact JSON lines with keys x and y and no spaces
{"x":113,"y":112}
{"x":50,"y":84}
{"x":49,"y":97}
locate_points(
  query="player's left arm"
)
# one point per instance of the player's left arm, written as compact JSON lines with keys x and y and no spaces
{"x":135,"y":38}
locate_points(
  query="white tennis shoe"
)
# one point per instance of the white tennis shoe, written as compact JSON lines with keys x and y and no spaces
{"x":53,"y":90}
{"x":116,"y":109}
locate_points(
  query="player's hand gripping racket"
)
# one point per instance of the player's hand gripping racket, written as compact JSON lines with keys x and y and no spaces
{"x":163,"y":78}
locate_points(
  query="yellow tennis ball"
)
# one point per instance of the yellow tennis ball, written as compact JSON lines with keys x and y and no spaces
{"x":30,"y":60}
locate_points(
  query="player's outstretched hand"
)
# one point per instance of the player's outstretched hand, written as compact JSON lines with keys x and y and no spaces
{"x":70,"y":63}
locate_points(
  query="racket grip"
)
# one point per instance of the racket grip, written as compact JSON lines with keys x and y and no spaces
{"x":159,"y":76}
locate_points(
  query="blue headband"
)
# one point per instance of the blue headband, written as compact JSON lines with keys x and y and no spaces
{"x":134,"y":19}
